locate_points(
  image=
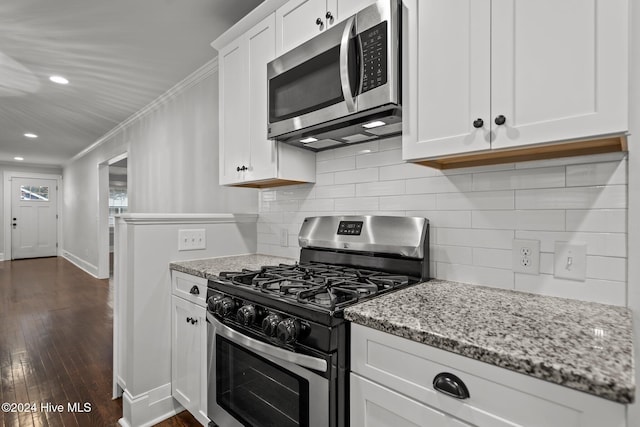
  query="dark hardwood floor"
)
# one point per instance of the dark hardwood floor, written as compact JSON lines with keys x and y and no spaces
{"x":56,"y":332}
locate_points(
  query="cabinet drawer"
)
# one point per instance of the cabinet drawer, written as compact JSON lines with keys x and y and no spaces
{"x":373,"y":405}
{"x":191,"y":288}
{"x":498,"y":397}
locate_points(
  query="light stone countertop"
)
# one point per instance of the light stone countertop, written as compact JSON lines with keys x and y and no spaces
{"x":211,"y":267}
{"x":582,"y":345}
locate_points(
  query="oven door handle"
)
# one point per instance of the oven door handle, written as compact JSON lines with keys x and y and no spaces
{"x":344,"y":65}
{"x":268,"y":349}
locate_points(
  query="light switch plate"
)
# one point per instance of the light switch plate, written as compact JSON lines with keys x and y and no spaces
{"x":193,"y":239}
{"x":570,"y":261}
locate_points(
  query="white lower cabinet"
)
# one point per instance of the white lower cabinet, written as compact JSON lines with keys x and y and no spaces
{"x":391,"y":384}
{"x":189,"y":350}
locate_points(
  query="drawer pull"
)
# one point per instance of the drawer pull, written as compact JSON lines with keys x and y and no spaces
{"x":450,"y":385}
{"x":194,"y":290}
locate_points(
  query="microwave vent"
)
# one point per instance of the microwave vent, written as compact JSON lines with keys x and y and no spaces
{"x":323,"y":143}
{"x":393,"y":128}
{"x":359,"y":137}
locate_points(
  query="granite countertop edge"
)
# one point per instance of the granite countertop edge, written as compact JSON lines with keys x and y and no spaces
{"x":593,"y":383}
{"x":210,"y":268}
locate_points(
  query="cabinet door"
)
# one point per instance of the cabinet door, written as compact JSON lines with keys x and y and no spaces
{"x":372,"y":405}
{"x":559,"y":69}
{"x":446,"y":76}
{"x":261,"y":42}
{"x":342,"y":9}
{"x":188,"y":349}
{"x":296,"y":23}
{"x":233,"y":101}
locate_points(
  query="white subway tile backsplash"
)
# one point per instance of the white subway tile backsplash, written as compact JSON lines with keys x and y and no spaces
{"x":356,"y":175}
{"x":325,"y":178}
{"x":439,"y":184}
{"x":562,"y":161}
{"x":413,"y":202}
{"x":607,"y":268}
{"x":450,"y":219}
{"x":483,"y":200}
{"x":602,"y":291}
{"x":451,"y":254}
{"x":519,"y":179}
{"x":335,"y":191}
{"x":605,"y":244}
{"x":603,"y":197}
{"x":496,"y":258}
{"x":334,"y":165}
{"x":500,"y":220}
{"x":494,"y":277}
{"x":357,"y":204}
{"x":609,"y":173}
{"x":405,"y":171}
{"x":603,"y":220}
{"x":380,"y":188}
{"x":475,"y":238}
{"x":381,"y":158}
{"x":474,"y":213}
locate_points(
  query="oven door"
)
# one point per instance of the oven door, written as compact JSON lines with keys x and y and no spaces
{"x":252,"y":383}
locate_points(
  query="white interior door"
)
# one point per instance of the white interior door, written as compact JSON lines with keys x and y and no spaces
{"x":33,"y":217}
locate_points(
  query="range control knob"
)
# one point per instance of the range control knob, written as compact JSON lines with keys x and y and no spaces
{"x":246,"y":315}
{"x":212,"y":302}
{"x":224,"y":307}
{"x":270,"y":324}
{"x":288,"y":331}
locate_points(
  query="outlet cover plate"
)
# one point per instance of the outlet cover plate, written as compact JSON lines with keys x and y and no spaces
{"x":526,"y":256}
{"x":570,"y":261}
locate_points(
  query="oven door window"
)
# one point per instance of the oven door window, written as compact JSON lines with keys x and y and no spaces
{"x":258,"y":392}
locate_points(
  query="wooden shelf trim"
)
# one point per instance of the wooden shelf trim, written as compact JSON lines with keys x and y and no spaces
{"x":538,"y":152}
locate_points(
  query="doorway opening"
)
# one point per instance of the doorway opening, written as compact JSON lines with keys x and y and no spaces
{"x":112,"y":201}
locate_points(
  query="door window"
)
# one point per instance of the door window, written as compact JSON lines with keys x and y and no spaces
{"x":34,"y":193}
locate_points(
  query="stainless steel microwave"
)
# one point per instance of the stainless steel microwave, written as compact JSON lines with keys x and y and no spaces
{"x":341,"y":87}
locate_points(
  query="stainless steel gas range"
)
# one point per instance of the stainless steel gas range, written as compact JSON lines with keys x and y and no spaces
{"x":277,"y":340}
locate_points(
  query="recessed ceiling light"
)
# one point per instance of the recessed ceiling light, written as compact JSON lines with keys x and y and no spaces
{"x":308,"y":140}
{"x":30,"y":135}
{"x":59,"y":79}
{"x":18,"y":158}
{"x":375,"y":124}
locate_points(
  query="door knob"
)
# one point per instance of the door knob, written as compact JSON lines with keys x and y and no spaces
{"x":500,"y":120}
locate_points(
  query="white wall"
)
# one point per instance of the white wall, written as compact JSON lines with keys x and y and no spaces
{"x":474,"y":213}
{"x":53,"y":170}
{"x":172,"y":168}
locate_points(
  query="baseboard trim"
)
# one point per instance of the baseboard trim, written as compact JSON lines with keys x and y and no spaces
{"x":1,"y":256}
{"x":80,"y":263}
{"x":150,"y":408}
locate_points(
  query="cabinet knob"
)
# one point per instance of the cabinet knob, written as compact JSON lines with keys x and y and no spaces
{"x":243,"y":168}
{"x":329,"y":16}
{"x":238,"y":169}
{"x":450,"y":385}
{"x":194,"y":290}
{"x":319,"y":22}
{"x":189,"y":319}
{"x":478,"y":123}
{"x":500,"y":120}
{"x":194,"y":321}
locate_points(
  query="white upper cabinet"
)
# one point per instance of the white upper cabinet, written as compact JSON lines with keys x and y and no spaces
{"x":490,"y":74}
{"x":247,"y":156}
{"x":300,"y":20}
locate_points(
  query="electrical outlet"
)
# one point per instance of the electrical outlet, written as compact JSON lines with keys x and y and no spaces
{"x":570,"y":261}
{"x":189,"y":240}
{"x":526,"y":256}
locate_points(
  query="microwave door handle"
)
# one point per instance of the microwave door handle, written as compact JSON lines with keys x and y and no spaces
{"x":344,"y":65}
{"x":268,"y":349}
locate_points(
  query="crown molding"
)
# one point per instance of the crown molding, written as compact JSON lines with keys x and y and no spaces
{"x":192,"y":79}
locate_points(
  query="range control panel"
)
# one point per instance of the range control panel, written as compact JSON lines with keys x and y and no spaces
{"x":351,"y":228}
{"x":374,"y":56}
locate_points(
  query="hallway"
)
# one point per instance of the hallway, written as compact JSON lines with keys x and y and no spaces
{"x":56,"y":332}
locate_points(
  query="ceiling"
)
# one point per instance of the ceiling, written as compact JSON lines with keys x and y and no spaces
{"x":118,"y":55}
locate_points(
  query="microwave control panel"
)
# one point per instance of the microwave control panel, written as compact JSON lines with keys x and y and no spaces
{"x":374,"y":56}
